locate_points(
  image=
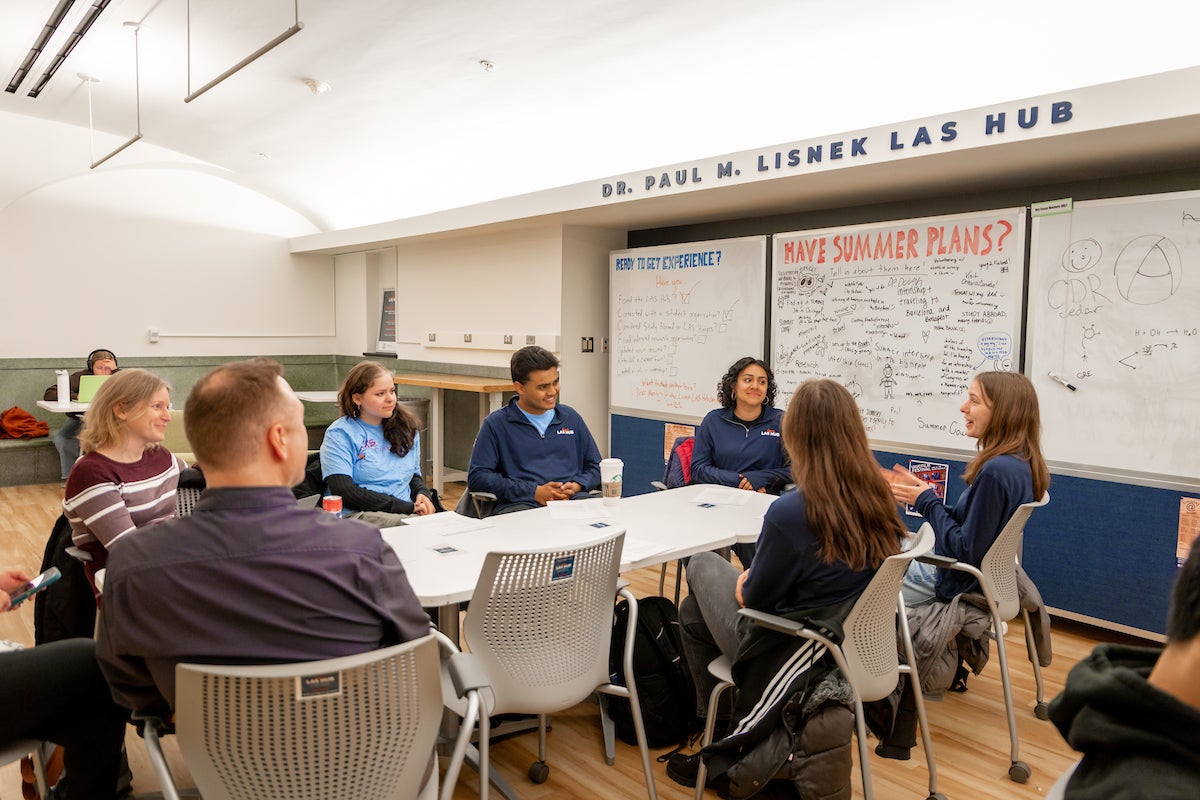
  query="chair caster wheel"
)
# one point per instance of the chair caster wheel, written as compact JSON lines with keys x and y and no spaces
{"x":936,"y":796}
{"x":1019,"y":772}
{"x":1041,"y":711}
{"x":538,"y":772}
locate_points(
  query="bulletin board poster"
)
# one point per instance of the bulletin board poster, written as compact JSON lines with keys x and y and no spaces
{"x":1189,"y":527}
{"x":387,"y":322}
{"x":903,"y":314}
{"x":679,"y":315}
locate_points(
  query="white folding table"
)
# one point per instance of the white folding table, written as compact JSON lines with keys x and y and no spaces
{"x":659,"y":527}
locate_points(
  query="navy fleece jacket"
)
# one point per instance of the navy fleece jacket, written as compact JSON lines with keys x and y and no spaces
{"x":511,"y":458}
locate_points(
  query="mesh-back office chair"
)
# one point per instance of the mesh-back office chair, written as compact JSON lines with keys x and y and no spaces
{"x":187,"y":492}
{"x":540,"y":624}
{"x":362,"y":726}
{"x":185,"y":500}
{"x":866,"y":656}
{"x":17,"y":750}
{"x":997,"y":576}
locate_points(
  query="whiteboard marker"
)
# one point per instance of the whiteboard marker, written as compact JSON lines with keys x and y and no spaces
{"x":1054,"y":377}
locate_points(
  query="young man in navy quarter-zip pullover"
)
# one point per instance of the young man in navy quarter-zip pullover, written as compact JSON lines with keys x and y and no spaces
{"x":534,"y":450}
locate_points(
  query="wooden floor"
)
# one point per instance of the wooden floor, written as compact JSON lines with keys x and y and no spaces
{"x":969,"y":730}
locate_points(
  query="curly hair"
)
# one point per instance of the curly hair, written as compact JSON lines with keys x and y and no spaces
{"x":725,"y":393}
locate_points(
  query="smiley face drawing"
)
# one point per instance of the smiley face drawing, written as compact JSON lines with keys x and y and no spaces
{"x":1082,"y":255}
{"x":809,"y":281}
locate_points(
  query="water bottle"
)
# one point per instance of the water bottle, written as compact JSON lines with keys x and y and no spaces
{"x":64,"y":386}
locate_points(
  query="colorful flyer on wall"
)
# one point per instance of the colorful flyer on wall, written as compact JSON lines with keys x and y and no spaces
{"x":1189,"y":526}
{"x":932,"y":473}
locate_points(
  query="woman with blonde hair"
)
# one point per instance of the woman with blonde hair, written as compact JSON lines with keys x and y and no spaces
{"x":819,"y":546}
{"x":125,"y":478}
{"x":1001,"y":414}
{"x":371,"y":455}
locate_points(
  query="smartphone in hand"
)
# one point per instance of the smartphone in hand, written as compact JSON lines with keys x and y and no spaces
{"x":27,"y":590}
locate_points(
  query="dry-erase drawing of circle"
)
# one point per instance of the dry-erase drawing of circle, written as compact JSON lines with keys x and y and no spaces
{"x":1148,"y":270}
{"x":1082,"y":255}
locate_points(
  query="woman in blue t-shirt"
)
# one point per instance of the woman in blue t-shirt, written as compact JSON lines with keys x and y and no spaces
{"x":1001,"y":414}
{"x":371,"y":456}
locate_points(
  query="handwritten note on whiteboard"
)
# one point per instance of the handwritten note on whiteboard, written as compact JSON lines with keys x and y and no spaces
{"x":679,"y":316}
{"x":1114,"y":294}
{"x":903,"y":314}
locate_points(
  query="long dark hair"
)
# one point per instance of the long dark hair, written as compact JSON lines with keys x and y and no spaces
{"x":400,"y":429}
{"x":848,"y":503}
{"x":725,"y":394}
{"x":1015,"y":427}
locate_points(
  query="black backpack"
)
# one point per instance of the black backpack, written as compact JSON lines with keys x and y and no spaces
{"x":664,"y":684}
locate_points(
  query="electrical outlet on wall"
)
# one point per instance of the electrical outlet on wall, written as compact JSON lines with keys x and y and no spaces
{"x":587,"y":344}
{"x":466,"y":338}
{"x":508,"y":338}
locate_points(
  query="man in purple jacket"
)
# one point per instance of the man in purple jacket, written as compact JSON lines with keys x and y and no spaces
{"x":249,"y":576}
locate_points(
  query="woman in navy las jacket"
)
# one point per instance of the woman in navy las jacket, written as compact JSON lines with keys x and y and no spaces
{"x":739,"y":443}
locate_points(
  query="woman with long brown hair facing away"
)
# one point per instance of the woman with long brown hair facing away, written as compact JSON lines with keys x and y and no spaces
{"x":371,"y":456}
{"x":1001,"y":414}
{"x":819,"y":545}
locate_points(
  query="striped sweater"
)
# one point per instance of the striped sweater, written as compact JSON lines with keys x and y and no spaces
{"x":107,"y":499}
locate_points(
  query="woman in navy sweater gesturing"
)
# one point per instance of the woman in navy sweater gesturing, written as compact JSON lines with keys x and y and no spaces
{"x":1001,"y":413}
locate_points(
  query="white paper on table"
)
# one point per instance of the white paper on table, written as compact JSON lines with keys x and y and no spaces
{"x":578,"y":509}
{"x":449,"y":523}
{"x":722,"y":496}
{"x":638,"y":549}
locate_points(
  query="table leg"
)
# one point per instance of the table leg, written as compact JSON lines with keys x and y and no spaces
{"x":437,"y":438}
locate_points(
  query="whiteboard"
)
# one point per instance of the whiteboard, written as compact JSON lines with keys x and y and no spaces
{"x":903,"y":314}
{"x":679,"y":316}
{"x":1114,"y":309}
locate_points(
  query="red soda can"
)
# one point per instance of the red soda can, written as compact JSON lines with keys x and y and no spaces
{"x":332,"y":503}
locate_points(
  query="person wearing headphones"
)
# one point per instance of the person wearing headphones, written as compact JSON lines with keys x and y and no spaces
{"x":66,"y":438}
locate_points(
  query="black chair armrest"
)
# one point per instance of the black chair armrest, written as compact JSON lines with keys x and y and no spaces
{"x":946,"y":562}
{"x":466,"y":673}
{"x":779,"y":624}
